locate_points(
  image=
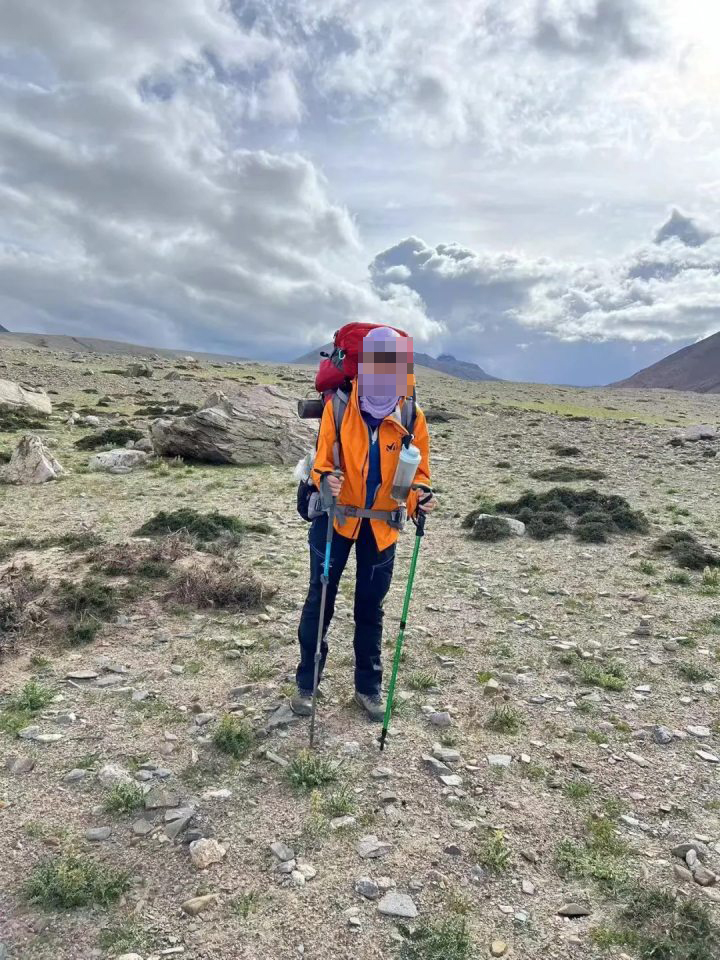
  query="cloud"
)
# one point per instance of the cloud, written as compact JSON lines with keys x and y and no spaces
{"x":623,"y":28}
{"x":489,"y":303}
{"x":130,"y":206}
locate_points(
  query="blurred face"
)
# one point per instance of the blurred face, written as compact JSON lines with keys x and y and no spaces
{"x":386,"y":367}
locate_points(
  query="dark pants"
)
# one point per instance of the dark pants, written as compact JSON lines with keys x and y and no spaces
{"x":374,"y":573}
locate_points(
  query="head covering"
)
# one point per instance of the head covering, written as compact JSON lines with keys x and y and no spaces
{"x":378,"y":391}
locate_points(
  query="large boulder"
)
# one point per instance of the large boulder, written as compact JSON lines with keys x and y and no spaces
{"x":118,"y":461}
{"x":15,"y":397}
{"x":702,"y":432}
{"x":259,"y":424}
{"x":31,"y":463}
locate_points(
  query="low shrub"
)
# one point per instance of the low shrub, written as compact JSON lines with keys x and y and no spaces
{"x":111,"y":437}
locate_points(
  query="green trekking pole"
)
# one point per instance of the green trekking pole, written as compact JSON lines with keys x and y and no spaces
{"x":419,"y":534}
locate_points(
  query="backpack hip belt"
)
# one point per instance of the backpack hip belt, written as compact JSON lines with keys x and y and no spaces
{"x":393,"y":518}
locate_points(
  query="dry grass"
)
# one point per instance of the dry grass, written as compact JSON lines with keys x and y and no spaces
{"x":221,"y":583}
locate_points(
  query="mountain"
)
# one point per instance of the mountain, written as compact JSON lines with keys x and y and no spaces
{"x":112,"y":347}
{"x":445,"y":363}
{"x":695,"y":368}
{"x":3,"y":329}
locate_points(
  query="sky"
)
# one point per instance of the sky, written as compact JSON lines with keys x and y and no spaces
{"x":533,"y":186}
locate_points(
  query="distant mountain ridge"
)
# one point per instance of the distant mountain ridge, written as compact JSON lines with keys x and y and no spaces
{"x":445,"y":363}
{"x":3,"y":329}
{"x":113,"y":347}
{"x":695,"y":368}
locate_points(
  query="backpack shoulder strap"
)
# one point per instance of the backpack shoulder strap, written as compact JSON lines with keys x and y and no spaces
{"x":340,"y":400}
{"x":408,"y":413}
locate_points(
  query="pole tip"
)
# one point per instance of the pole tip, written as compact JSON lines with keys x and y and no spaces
{"x":383,"y":737}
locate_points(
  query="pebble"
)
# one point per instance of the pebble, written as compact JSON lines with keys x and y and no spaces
{"x":707,"y":756}
{"x":440,"y":719}
{"x":574,"y":910}
{"x":452,"y":780}
{"x":142,"y":827}
{"x":662,"y":735}
{"x":130,"y":956}
{"x":703,"y":876}
{"x":370,"y":848}
{"x":160,"y":797}
{"x":98,"y":834}
{"x":343,"y":823}
{"x":75,"y":776}
{"x":445,"y":754}
{"x":436,"y":766}
{"x":395,"y":904}
{"x":636,"y":758}
{"x":196,"y":905}
{"x":498,"y":948}
{"x":528,"y":888}
{"x":204,"y":853}
{"x":699,"y":732}
{"x":177,"y":821}
{"x":82,"y":675}
{"x":381,"y":773}
{"x":682,"y":874}
{"x":499,"y":759}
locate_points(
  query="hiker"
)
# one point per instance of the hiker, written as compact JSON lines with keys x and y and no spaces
{"x":371,"y":438}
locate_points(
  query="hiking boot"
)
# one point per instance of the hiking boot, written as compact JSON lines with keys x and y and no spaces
{"x":372,"y":704}
{"x":301,"y":703}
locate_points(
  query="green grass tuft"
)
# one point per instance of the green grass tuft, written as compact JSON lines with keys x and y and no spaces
{"x":69,"y":881}
{"x":308,"y":771}
{"x":124,"y":798}
{"x":234,"y":736}
{"x":505,"y":719}
{"x":441,"y":940}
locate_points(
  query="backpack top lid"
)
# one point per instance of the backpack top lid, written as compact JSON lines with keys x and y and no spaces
{"x":342,"y":364}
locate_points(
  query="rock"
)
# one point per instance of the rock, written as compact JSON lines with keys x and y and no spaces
{"x":451,"y":780}
{"x":196,"y":905}
{"x":130,"y":956}
{"x":118,"y":461}
{"x":703,"y":876}
{"x":144,"y":444}
{"x":113,"y":774}
{"x":17,"y":766}
{"x":528,"y":888}
{"x":82,"y":675}
{"x":297,"y":878}
{"x":31,"y":463}
{"x":440,"y":719}
{"x":499,"y":760}
{"x":701,"y":432}
{"x":16,"y":398}
{"x":98,"y":834}
{"x":370,"y":848}
{"x":159,"y":797}
{"x":707,"y":756}
{"x":465,"y":826}
{"x":204,"y":853}
{"x":682,"y":874}
{"x":142,"y":827}
{"x":700,"y":732}
{"x":367,"y":888}
{"x":381,"y":773}
{"x":445,"y":754}
{"x":683,"y":849}
{"x":307,"y":870}
{"x":436,"y":766}
{"x":491,"y":688}
{"x":281,"y":717}
{"x":33,"y":733}
{"x":498,"y":948}
{"x":342,"y":823}
{"x":395,"y":904}
{"x":258,"y":425}
{"x":662,"y":735}
{"x":636,"y":758}
{"x":574,"y":910}
{"x":139,"y":370}
{"x":75,"y":776}
{"x":282,"y":851}
{"x":177,"y":821}
{"x":286,"y":867}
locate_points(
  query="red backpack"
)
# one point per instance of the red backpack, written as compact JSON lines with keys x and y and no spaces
{"x":342,"y":363}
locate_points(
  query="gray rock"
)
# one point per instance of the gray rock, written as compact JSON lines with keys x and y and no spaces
{"x":445,"y":754}
{"x":662,"y":735}
{"x":703,"y":876}
{"x":682,"y":874}
{"x":14,"y":397}
{"x":700,"y":732}
{"x":205,"y":852}
{"x":574,"y":910}
{"x":142,"y":827}
{"x":259,"y":425}
{"x":196,"y":905}
{"x":342,"y":823}
{"x":31,"y":463}
{"x":118,"y":461}
{"x":367,"y":888}
{"x":370,"y":848}
{"x":159,"y":797}
{"x":17,"y":766}
{"x":441,"y":718}
{"x":112,"y":774}
{"x":177,"y":821}
{"x":75,"y":776}
{"x":451,"y":780}
{"x":395,"y":904}
{"x":81,"y":675}
{"x":282,"y":717}
{"x":282,"y":851}
{"x":98,"y":834}
{"x":436,"y":766}
{"x":704,"y":755}
{"x":700,"y":850}
{"x":499,"y":759}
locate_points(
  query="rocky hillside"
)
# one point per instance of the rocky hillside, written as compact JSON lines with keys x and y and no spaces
{"x":3,"y":329}
{"x":695,"y":368}
{"x":95,"y":345}
{"x":550,"y":784}
{"x":445,"y":363}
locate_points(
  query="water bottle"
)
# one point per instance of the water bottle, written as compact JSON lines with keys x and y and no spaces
{"x":407,"y":467}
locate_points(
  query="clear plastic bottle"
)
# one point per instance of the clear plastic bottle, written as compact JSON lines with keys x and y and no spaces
{"x":407,"y":467}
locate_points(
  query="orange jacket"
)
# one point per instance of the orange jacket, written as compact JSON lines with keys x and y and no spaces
{"x":354,"y":457}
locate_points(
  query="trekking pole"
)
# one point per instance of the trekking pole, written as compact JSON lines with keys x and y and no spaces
{"x":419,"y":534}
{"x":324,"y":578}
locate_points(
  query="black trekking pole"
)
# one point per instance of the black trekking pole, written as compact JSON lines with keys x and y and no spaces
{"x":419,"y":534}
{"x":324,"y":578}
